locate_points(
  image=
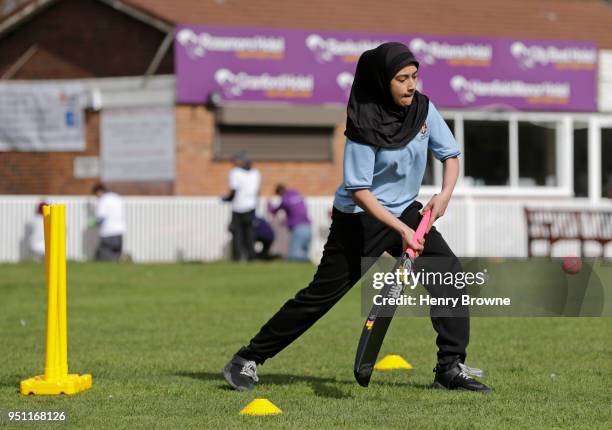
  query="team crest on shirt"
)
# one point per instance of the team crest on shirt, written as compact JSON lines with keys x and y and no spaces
{"x":424,"y":132}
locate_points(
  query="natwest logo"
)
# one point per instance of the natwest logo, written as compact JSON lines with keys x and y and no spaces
{"x":464,"y":54}
{"x":328,"y":49}
{"x":345,"y":82}
{"x":259,"y":47}
{"x":530,"y":56}
{"x":283,"y":85}
{"x":470,"y":90}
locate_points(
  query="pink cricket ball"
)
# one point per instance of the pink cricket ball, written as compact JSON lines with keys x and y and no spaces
{"x":572,"y":265}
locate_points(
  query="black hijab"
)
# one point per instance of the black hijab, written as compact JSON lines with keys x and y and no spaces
{"x":373,"y":118}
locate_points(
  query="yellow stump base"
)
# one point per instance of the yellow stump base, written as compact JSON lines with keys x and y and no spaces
{"x":72,"y":384}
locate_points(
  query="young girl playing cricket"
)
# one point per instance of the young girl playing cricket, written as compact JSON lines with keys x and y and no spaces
{"x":389,"y":129}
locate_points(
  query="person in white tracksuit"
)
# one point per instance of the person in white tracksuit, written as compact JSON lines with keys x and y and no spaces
{"x":110,"y":219}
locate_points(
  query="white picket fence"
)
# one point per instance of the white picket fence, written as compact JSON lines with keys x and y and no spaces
{"x":169,"y":229}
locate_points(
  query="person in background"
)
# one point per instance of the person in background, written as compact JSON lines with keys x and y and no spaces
{"x":264,"y":235}
{"x":297,"y":222}
{"x":110,"y":220}
{"x":244,"y":183}
{"x":36,"y":239}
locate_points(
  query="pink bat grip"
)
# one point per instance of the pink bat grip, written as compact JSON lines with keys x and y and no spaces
{"x":420,"y":231}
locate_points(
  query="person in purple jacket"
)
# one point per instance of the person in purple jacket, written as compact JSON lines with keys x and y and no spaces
{"x":264,"y":235}
{"x":297,"y":221}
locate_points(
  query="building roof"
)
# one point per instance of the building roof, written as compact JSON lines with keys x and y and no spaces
{"x":23,"y":11}
{"x":531,"y":19}
{"x":29,"y":50}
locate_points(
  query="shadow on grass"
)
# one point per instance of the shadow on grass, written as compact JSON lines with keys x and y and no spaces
{"x":322,"y":387}
{"x":11,"y":381}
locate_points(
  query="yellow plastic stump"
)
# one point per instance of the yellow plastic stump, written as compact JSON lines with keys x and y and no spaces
{"x":260,"y":407}
{"x":56,"y":379}
{"x":391,"y":362}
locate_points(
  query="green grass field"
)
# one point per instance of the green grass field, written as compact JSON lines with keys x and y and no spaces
{"x":155,"y":338}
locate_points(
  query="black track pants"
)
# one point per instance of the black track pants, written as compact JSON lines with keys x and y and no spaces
{"x":351,"y":237}
{"x":243,"y":236}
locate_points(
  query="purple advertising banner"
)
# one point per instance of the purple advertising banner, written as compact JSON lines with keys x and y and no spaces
{"x":312,"y":67}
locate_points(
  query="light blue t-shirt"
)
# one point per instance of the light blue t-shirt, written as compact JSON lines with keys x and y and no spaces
{"x":394,"y":176}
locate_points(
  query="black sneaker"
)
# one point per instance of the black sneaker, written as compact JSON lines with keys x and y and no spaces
{"x":240,"y":373}
{"x":459,"y":377}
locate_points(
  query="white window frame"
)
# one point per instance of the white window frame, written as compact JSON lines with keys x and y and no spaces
{"x":595,"y":151}
{"x":564,"y":153}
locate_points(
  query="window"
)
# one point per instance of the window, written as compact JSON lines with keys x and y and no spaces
{"x":451,"y":125}
{"x":581,"y":160}
{"x":486,"y":152}
{"x":262,"y":142}
{"x":537,"y":153}
{"x":606,"y":162}
{"x":429,"y":177}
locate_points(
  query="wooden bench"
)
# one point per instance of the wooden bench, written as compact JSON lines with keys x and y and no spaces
{"x":553,"y":225}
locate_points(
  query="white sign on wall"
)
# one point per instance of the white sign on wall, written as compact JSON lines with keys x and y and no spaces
{"x":137,"y":144}
{"x":86,"y":167}
{"x":42,"y":117}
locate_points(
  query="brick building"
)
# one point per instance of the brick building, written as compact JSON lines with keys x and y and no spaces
{"x":101,"y":42}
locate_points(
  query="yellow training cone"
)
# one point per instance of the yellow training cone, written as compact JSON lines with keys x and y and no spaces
{"x":391,"y":362}
{"x":260,"y":407}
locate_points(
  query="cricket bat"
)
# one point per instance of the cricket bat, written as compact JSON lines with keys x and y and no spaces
{"x":376,"y":325}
